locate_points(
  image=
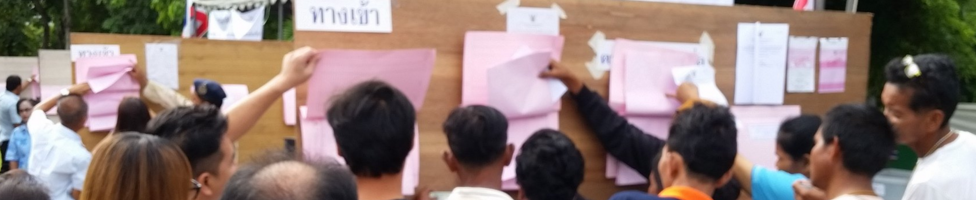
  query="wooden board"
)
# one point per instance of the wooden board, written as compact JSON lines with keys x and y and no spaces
{"x":227,"y":62}
{"x":441,"y":24}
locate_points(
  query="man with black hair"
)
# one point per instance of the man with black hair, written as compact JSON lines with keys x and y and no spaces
{"x":549,"y":167}
{"x":9,"y":116}
{"x":374,"y":129}
{"x":58,"y":157}
{"x":18,"y":184}
{"x":698,"y":156}
{"x":793,"y":144}
{"x":206,"y":136}
{"x":479,"y":151}
{"x":920,"y":96}
{"x":281,"y":175}
{"x":852,"y":146}
{"x":629,"y":144}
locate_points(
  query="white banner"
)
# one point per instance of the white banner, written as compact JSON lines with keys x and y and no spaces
{"x":344,"y":15}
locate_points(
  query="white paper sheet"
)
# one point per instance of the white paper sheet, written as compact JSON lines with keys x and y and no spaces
{"x":515,"y":89}
{"x":527,"y":20}
{"x":93,"y":50}
{"x":236,"y":25}
{"x":162,"y":64}
{"x":288,"y":101}
{"x":344,"y":16}
{"x":704,"y":78}
{"x":801,"y":65}
{"x":760,"y":68}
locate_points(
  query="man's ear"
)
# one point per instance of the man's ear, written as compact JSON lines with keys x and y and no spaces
{"x":833,"y":148}
{"x":934,"y":120}
{"x":205,"y":179}
{"x":509,"y":153}
{"x":724,"y":179}
{"x":451,"y":162}
{"x":339,"y":151}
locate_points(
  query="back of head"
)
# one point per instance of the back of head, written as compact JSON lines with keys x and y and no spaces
{"x":13,"y":82}
{"x":374,"y":128}
{"x":131,"y":165}
{"x":73,"y":111}
{"x":705,"y":137}
{"x":133,"y":115}
{"x":935,"y":87}
{"x":865,"y":137}
{"x":282,"y":176}
{"x":477,"y":135}
{"x":198,"y":130}
{"x":17,"y":184}
{"x":549,"y":166}
{"x":796,"y":135}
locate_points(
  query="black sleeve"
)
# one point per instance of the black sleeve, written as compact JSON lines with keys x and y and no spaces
{"x":624,"y":141}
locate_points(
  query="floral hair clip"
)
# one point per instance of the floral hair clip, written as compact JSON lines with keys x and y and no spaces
{"x":911,"y":69}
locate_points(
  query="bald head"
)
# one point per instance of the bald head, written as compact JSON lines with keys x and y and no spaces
{"x":73,"y":111}
{"x":279,"y":176}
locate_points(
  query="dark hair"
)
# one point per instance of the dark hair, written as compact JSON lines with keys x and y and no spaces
{"x":18,"y":184}
{"x":266,"y":178}
{"x":133,"y":115}
{"x":198,"y":130}
{"x":31,"y":101}
{"x":796,"y":135}
{"x":937,"y":87}
{"x":476,"y":134}
{"x":72,"y":110}
{"x":13,"y":82}
{"x":705,"y":137}
{"x":549,"y":166}
{"x":374,"y":128}
{"x":865,"y":137}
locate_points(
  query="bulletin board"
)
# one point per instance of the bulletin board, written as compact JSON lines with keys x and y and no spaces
{"x":442,"y":24}
{"x":227,"y":62}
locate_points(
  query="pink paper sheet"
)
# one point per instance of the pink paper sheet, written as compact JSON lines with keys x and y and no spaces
{"x":110,"y":83}
{"x":758,"y":126}
{"x":515,"y":89}
{"x":407,"y":70}
{"x":618,"y":62}
{"x":648,"y":78}
{"x":318,"y":141}
{"x":289,"y":106}
{"x":82,"y":64}
{"x":833,"y":65}
{"x":483,"y":50}
{"x":235,"y":92}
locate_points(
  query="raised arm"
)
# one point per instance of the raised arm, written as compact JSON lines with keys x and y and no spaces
{"x":296,"y":68}
{"x":742,"y":171}
{"x":624,"y":141}
{"x":156,"y":93}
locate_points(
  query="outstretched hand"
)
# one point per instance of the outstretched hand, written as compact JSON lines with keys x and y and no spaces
{"x":297,"y":66}
{"x":79,"y":89}
{"x":558,"y":71}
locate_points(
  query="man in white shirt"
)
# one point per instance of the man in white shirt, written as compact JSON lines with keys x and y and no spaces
{"x":59,"y":158}
{"x":852,"y":146}
{"x":479,"y":151}
{"x":9,"y":117}
{"x":920,"y":96}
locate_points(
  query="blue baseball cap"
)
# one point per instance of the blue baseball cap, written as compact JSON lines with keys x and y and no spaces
{"x":209,"y":91}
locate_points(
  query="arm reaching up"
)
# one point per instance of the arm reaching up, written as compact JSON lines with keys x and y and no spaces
{"x":296,"y":68}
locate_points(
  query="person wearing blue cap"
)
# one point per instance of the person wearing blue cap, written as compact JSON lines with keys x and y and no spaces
{"x":205,"y":92}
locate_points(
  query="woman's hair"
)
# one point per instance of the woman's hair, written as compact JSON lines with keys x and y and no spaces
{"x":32,"y":102}
{"x":137,"y":166}
{"x":133,"y":116}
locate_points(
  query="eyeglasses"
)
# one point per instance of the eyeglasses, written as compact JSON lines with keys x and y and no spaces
{"x":195,"y":187}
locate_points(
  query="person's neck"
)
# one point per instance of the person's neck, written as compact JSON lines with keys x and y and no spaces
{"x":926,"y":143}
{"x":486,"y":177}
{"x":707,"y":188}
{"x":385,"y":187}
{"x":844,"y":182}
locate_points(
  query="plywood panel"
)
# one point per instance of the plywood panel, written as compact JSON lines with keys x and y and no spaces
{"x":441,"y":24}
{"x":227,"y":62}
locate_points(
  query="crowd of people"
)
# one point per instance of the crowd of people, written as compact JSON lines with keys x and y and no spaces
{"x":187,"y":152}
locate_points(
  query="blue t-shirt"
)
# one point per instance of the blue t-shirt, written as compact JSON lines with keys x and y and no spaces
{"x":19,"y":148}
{"x":768,"y":184}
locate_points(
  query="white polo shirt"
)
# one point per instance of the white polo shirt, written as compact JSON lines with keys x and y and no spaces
{"x":58,"y":157}
{"x":477,"y":193}
{"x":949,"y":173}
